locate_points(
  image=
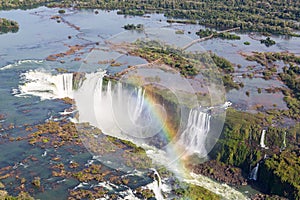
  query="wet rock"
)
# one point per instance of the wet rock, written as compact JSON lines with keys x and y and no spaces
{"x":264,"y":196}
{"x":2,"y":116}
{"x":36,"y":182}
{"x":23,"y":180}
{"x":74,"y":165}
{"x":220,"y":172}
{"x":3,"y":193}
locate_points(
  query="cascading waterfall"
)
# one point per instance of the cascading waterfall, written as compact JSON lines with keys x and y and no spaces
{"x":262,"y":140}
{"x":253,"y":173}
{"x":101,"y":105}
{"x":47,"y":86}
{"x":196,"y":132}
{"x":156,"y":185}
{"x":117,"y":109}
{"x":120,"y":88}
{"x":65,"y":85}
{"x":283,"y":142}
{"x":107,"y":108}
{"x":139,"y":104}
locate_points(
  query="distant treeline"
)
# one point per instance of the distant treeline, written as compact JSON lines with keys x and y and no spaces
{"x":270,"y":16}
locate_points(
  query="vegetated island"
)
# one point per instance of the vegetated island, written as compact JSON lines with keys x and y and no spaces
{"x":7,"y":26}
{"x":137,"y":27}
{"x":268,"y":42}
{"x":224,"y":35}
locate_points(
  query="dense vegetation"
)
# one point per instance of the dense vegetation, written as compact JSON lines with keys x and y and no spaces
{"x":291,"y":77}
{"x":8,"y":26}
{"x":239,"y":146}
{"x":188,"y":65}
{"x":25,"y":4}
{"x":207,"y":32}
{"x":272,"y":16}
{"x":266,"y":58}
{"x":153,"y":51}
{"x":181,"y":21}
{"x":283,"y":170}
{"x":227,"y":68}
{"x":194,"y":192}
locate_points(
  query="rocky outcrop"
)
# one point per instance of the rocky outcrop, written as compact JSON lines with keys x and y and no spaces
{"x":220,"y":172}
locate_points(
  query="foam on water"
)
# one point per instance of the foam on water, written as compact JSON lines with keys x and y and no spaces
{"x":20,"y":62}
{"x":225,"y":191}
{"x":46,"y":85}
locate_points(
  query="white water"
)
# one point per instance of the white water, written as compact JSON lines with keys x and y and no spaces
{"x":262,"y":140}
{"x":81,"y":185}
{"x":139,"y":104}
{"x":20,"y":62}
{"x":115,"y":110}
{"x":284,"y":142}
{"x":45,"y":153}
{"x":225,"y":191}
{"x":195,"y":134}
{"x":156,"y":185}
{"x":253,"y":173}
{"x":46,"y":86}
{"x":120,"y":112}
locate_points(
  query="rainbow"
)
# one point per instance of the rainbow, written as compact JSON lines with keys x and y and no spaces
{"x":177,"y":151}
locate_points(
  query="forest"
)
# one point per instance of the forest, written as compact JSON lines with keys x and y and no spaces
{"x":271,"y":16}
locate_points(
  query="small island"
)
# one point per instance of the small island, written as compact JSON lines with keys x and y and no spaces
{"x":133,"y":27}
{"x":268,"y":42}
{"x":7,"y":25}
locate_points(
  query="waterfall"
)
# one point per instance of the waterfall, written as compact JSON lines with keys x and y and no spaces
{"x":194,"y":136}
{"x":156,"y":185}
{"x":98,"y":89}
{"x":139,"y":104}
{"x":262,"y":140}
{"x":94,"y":103}
{"x":120,"y":88}
{"x":113,"y":110}
{"x":253,"y":173}
{"x":108,"y":91}
{"x":117,"y":110}
{"x":46,"y":86}
{"x":283,"y":142}
{"x":64,"y":85}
